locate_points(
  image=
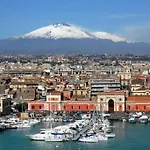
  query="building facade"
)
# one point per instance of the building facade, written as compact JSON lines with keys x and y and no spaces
{"x":101,"y":85}
{"x":111,"y":101}
{"x":5,"y":105}
{"x":138,"y":103}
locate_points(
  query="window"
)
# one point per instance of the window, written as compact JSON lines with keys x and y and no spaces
{"x":79,"y":107}
{"x":144,"y":107}
{"x":86,"y":107}
{"x":137,"y":108}
{"x":64,"y":107}
{"x":33,"y":107}
{"x":71,"y":107}
{"x":120,"y":99}
{"x":40,"y":107}
{"x":101,"y":99}
{"x":129,"y":107}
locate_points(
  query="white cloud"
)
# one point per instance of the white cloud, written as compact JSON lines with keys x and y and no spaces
{"x":136,"y":33}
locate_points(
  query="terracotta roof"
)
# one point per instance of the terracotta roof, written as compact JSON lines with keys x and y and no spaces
{"x":112,"y":93}
{"x":137,"y":81}
{"x":139,"y":98}
{"x":36,"y":101}
{"x":80,"y":102}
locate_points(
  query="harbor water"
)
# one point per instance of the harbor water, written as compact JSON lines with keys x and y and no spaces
{"x":128,"y":137}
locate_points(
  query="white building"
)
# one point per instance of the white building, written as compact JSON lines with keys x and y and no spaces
{"x":111,"y":101}
{"x":101,"y":85}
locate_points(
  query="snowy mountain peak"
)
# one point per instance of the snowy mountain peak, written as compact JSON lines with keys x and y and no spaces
{"x":61,"y":24}
{"x":65,"y":30}
{"x":59,"y":30}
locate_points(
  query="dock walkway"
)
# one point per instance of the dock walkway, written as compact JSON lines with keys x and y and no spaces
{"x":86,"y":128}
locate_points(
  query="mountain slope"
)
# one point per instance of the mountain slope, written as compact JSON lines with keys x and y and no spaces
{"x":57,"y":31}
{"x":108,"y":36}
{"x":71,"y":46}
{"x":64,"y":30}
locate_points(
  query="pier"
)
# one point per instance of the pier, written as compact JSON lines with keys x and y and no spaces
{"x":83,"y":131}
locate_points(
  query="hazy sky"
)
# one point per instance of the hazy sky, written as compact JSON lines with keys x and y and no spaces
{"x":126,"y":18}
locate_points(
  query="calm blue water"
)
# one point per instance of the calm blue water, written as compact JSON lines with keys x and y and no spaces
{"x":128,"y":137}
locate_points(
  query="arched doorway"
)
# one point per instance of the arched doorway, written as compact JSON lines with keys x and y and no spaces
{"x":111,"y":106}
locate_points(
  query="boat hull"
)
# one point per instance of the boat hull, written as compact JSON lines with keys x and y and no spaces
{"x":89,"y":139}
{"x":144,"y":121}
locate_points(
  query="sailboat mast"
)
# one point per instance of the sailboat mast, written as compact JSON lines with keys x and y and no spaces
{"x":50,"y":112}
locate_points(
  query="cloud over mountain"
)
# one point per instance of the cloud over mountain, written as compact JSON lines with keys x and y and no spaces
{"x":139,"y":33}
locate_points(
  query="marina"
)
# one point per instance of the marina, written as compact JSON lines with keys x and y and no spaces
{"x":98,"y":132}
{"x":94,"y":129}
{"x":128,"y":136}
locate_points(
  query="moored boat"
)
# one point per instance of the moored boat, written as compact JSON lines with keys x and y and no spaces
{"x":132,"y":120}
{"x":110,"y":135}
{"x":89,"y":139}
{"x":39,"y":136}
{"x":143,"y":119}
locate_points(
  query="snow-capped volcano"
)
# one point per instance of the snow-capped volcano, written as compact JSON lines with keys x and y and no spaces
{"x":50,"y":40}
{"x":59,"y":30}
{"x":108,"y":36}
{"x":64,"y":30}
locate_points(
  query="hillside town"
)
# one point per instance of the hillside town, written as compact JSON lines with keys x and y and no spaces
{"x":84,"y":83}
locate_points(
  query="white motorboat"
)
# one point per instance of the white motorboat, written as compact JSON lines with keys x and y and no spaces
{"x":89,"y":139}
{"x":55,"y":137}
{"x":39,"y":136}
{"x":124,"y":120}
{"x":33,"y":121}
{"x":139,"y":114}
{"x":48,"y":119}
{"x":23,"y":125}
{"x":101,"y":137}
{"x":60,"y":133}
{"x":132,"y":119}
{"x":144,"y":119}
{"x":110,"y":135}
